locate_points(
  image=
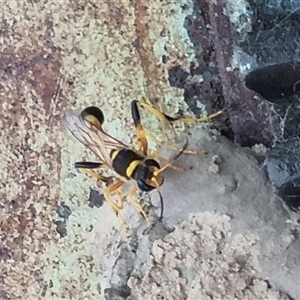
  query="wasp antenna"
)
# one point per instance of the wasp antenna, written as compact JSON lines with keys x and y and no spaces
{"x":185,"y":146}
{"x":160,"y":197}
{"x":162,"y":169}
{"x":161,"y":205}
{"x":169,"y":164}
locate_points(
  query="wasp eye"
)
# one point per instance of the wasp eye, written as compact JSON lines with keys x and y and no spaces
{"x":93,"y":115}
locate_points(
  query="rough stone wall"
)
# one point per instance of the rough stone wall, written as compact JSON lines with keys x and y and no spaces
{"x":57,"y":55}
{"x":66,"y":54}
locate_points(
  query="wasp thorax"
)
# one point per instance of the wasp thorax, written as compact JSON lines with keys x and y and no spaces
{"x":145,"y":175}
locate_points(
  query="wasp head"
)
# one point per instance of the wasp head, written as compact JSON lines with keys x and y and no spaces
{"x":148,"y":175}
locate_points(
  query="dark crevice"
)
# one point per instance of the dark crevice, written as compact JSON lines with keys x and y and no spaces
{"x":275,"y":81}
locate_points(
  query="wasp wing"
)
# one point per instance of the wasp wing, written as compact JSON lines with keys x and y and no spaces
{"x":93,"y":138}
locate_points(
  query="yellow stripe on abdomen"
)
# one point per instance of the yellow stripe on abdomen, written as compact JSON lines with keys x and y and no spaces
{"x":113,"y":154}
{"x":132,"y":167}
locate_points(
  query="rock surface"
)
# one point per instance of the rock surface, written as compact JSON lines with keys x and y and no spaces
{"x":57,"y":239}
{"x":236,"y":187}
{"x":202,"y":260}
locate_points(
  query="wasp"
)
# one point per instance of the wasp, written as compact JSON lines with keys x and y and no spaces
{"x":139,"y":164}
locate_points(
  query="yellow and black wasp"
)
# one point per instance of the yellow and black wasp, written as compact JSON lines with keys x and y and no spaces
{"x":128,"y":163}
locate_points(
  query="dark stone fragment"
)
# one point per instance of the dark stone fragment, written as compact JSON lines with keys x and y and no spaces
{"x":290,"y":193}
{"x":116,"y":293}
{"x":64,"y":211}
{"x":177,"y":77}
{"x":61,"y":228}
{"x":95,"y":199}
{"x":275,"y":81}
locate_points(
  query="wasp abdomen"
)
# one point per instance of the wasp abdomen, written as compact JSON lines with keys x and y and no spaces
{"x":94,"y":115}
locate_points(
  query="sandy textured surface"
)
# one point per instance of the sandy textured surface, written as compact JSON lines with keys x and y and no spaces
{"x":227,"y":181}
{"x":202,"y":260}
{"x":70,"y":54}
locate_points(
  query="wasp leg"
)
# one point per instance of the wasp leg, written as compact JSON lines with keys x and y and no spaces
{"x":85,"y":168}
{"x":89,"y":165}
{"x":161,"y":144}
{"x":155,"y":154}
{"x":168,"y":163}
{"x":142,"y":134}
{"x":113,"y":188}
{"x":138,"y":205}
{"x":166,"y":166}
{"x":121,"y":199}
{"x":98,"y":176}
{"x":195,"y":120}
{"x":142,"y":138}
{"x":163,"y":116}
{"x":155,"y":111}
